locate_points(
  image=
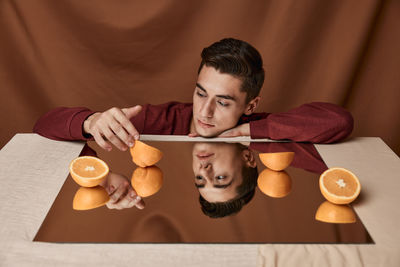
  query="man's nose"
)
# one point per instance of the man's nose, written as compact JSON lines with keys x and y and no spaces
{"x":207,"y":110}
{"x":206,"y":166}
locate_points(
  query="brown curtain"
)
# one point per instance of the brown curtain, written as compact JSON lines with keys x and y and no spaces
{"x":101,"y":54}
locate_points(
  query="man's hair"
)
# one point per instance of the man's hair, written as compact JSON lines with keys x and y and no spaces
{"x":239,"y":59}
{"x":245,"y":192}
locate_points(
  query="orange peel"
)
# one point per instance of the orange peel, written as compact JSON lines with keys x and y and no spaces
{"x":144,"y":155}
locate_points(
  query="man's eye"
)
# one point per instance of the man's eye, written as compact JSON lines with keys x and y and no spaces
{"x":200,"y":94}
{"x":198,"y":177}
{"x":220,"y":177}
{"x":223,"y":104}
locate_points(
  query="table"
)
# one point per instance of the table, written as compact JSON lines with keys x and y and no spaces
{"x":33,"y":170}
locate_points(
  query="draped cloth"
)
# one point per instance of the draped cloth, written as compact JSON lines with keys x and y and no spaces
{"x":101,"y":54}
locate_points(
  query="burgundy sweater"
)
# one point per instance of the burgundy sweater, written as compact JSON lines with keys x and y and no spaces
{"x":314,"y":122}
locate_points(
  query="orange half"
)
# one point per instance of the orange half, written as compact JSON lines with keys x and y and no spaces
{"x":147,"y":181}
{"x":144,"y":155}
{"x":334,"y":213}
{"x":339,"y":186}
{"x":90,"y":198}
{"x":274,"y":184}
{"x":88,"y":171}
{"x":277,"y":161}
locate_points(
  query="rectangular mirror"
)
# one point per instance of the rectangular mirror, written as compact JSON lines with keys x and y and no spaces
{"x":209,"y":194}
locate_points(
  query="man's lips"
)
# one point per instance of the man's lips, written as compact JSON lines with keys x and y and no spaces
{"x":204,"y":125}
{"x":204,"y":155}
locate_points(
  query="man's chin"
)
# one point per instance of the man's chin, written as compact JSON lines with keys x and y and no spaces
{"x":208,"y":133}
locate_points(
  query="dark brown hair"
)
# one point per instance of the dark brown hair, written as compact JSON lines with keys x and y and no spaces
{"x":239,"y":59}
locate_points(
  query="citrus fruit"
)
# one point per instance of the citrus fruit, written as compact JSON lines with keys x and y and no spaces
{"x":277,"y":161}
{"x":88,"y":171}
{"x":339,"y":186}
{"x":147,"y":180}
{"x":89,"y":198}
{"x":334,"y":213}
{"x":274,"y":184}
{"x":144,"y":155}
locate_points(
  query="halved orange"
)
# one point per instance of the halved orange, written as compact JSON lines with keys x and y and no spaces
{"x":145,"y":155}
{"x":334,"y":213}
{"x":88,"y":171}
{"x":274,"y":184}
{"x":147,"y":181}
{"x":277,"y":161}
{"x":339,"y":186}
{"x":90,"y":198}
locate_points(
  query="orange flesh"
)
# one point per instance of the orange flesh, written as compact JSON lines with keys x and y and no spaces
{"x":88,"y":168}
{"x":332,"y":183}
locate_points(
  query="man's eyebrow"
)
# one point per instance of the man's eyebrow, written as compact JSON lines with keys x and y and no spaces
{"x":221,"y":96}
{"x":199,"y":185}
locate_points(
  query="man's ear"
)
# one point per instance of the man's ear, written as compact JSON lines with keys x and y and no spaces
{"x":249,"y":158}
{"x":251,"y":106}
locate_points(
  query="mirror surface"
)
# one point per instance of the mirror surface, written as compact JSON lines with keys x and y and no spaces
{"x":209,"y":194}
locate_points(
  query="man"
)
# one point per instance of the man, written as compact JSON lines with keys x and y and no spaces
{"x":226,"y":95}
{"x":224,"y":100}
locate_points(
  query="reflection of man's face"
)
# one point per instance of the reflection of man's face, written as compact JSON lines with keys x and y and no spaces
{"x":218,"y":170}
{"x":218,"y":102}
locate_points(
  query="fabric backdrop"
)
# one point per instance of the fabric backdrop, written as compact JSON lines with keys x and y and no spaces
{"x":101,"y":54}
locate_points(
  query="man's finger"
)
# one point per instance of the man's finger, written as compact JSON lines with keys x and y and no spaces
{"x":193,"y":134}
{"x":101,"y":142}
{"x":140,"y":205}
{"x":120,"y":132}
{"x":118,"y":194}
{"x":114,"y":139}
{"x":128,"y":126}
{"x":131,"y":112}
{"x":228,"y":133}
{"x":126,"y":202}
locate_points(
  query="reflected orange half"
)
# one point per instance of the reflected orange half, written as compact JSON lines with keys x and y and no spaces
{"x":334,"y":213}
{"x":274,"y":184}
{"x":147,"y":181}
{"x":89,"y":198}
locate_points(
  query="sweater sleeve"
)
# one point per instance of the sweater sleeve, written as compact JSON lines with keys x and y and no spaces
{"x":315,"y":122}
{"x":169,"y":118}
{"x":63,"y":124}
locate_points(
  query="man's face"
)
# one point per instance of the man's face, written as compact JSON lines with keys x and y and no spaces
{"x":218,"y":102}
{"x":218,"y":170}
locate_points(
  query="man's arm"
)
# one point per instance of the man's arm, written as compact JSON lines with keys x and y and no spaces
{"x":83,"y":124}
{"x":315,"y":122}
{"x":117,"y":126}
{"x":63,"y":124}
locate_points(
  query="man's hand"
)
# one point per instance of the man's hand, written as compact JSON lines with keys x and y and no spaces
{"x":122,"y":195}
{"x":113,"y":125}
{"x":241,"y":130}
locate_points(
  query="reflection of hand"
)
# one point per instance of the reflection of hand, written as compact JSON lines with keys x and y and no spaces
{"x":122,"y":195}
{"x":241,"y":130}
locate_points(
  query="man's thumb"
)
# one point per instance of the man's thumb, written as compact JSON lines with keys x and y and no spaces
{"x":133,"y":111}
